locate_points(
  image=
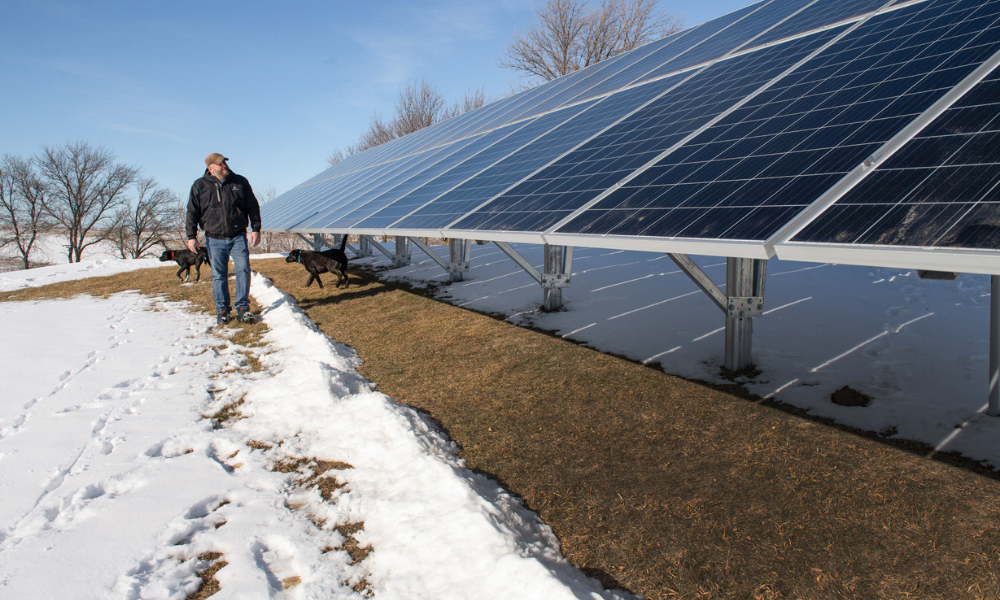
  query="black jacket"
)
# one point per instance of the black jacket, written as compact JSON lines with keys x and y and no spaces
{"x":222,"y":208}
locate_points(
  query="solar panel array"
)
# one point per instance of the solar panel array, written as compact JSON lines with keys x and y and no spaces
{"x":854,"y":130}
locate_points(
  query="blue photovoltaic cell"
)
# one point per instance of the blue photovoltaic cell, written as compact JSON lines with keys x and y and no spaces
{"x":616,"y":73}
{"x":350,"y":200}
{"x":333,"y":194}
{"x":746,"y":176}
{"x":735,"y":36}
{"x":488,"y":149}
{"x":819,"y":14}
{"x":751,"y":24}
{"x":291,"y":208}
{"x":582,"y":175}
{"x":525,"y":135}
{"x":402,"y":199}
{"x":941,"y":189}
{"x":501,"y":176}
{"x":463,"y":156}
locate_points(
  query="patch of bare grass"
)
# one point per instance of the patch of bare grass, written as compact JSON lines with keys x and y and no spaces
{"x":209,"y":584}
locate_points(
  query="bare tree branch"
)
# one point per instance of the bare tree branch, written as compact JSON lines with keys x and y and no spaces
{"x":84,"y":189}
{"x":22,"y":215}
{"x":418,"y":105}
{"x":567,"y":37}
{"x":141,"y":226}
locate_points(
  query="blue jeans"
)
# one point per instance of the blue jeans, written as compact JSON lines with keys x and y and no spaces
{"x":219,"y":252}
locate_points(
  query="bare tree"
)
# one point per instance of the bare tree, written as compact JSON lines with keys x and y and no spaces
{"x":472,"y":100}
{"x":418,"y":105}
{"x":567,"y":36}
{"x":84,"y":189}
{"x":22,"y":215}
{"x":141,"y":226}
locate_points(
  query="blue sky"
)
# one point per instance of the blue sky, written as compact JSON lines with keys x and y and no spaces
{"x":275,"y":86}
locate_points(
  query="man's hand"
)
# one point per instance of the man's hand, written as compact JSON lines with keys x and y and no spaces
{"x":254,"y":238}
{"x":193,"y":245}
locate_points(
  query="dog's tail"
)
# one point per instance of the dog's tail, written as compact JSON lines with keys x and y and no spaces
{"x":343,"y":243}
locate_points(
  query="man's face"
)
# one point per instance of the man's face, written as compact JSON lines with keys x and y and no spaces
{"x":219,"y":170}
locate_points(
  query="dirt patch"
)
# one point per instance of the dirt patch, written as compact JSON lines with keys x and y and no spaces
{"x":847,"y":396}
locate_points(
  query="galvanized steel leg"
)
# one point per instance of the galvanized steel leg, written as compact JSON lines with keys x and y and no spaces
{"x":403,"y":252}
{"x":364,"y":246}
{"x":994,"y":402}
{"x":556,"y":276}
{"x":745,"y":292}
{"x":318,"y":239}
{"x":459,"y":252}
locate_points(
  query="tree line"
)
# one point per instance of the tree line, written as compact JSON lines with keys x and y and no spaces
{"x":84,"y":193}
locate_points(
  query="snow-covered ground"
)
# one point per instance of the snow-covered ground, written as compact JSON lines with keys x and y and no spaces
{"x":112,"y":484}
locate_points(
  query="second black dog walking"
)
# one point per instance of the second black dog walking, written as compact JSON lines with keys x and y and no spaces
{"x":333,"y":261}
{"x":187,"y":259}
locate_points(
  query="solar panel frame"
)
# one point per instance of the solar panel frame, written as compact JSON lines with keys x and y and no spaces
{"x":966,"y":260}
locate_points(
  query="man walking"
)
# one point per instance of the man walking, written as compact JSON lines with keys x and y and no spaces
{"x":223,"y":204}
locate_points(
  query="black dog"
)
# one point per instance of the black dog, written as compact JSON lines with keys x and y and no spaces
{"x":187,"y":259}
{"x":333,"y":260}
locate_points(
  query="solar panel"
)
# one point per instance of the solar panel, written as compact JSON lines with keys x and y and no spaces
{"x":459,"y":201}
{"x":690,"y":102}
{"x":940,"y":190}
{"x":747,"y":175}
{"x":742,"y":136}
{"x":432,"y":179}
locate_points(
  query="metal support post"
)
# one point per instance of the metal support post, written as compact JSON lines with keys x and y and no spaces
{"x":364,"y":246}
{"x":318,"y":240}
{"x":459,"y":253}
{"x":745,"y":295}
{"x":403,"y":252}
{"x":556,"y":276}
{"x":373,"y":244}
{"x":337,"y":238}
{"x":993,"y":408}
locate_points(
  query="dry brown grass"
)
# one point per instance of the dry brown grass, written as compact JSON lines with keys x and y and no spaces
{"x":209,"y":584}
{"x":663,"y":486}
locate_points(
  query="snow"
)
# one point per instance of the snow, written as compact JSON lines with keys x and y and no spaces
{"x":113,"y":483}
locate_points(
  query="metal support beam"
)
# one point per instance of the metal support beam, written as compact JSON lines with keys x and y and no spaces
{"x":367,"y":240}
{"x":701,"y":280}
{"x":745,"y":295}
{"x":459,"y":255}
{"x":427,"y":250}
{"x":558,"y":263}
{"x":457,"y":264}
{"x":403,"y":252}
{"x":993,"y":408}
{"x":312,"y":240}
{"x":520,"y":260}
